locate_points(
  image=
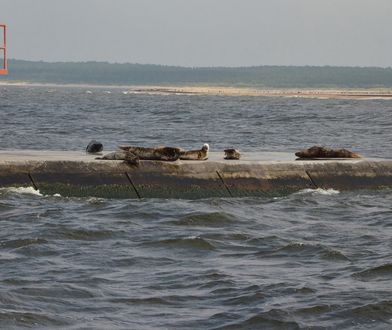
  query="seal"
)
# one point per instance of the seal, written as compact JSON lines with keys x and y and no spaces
{"x":116,"y":155}
{"x":201,"y":154}
{"x":160,"y":153}
{"x":323,"y":152}
{"x":128,"y":157}
{"x":232,"y":154}
{"x":131,"y":159}
{"x":94,"y":147}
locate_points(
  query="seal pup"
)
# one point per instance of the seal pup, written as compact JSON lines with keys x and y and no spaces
{"x":94,"y":147}
{"x":160,"y":153}
{"x":323,"y":152}
{"x":232,"y":153}
{"x":201,"y":154}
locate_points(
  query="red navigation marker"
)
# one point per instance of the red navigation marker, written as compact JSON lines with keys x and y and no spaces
{"x":3,"y":50}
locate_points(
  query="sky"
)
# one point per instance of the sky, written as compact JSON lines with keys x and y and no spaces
{"x":202,"y":32}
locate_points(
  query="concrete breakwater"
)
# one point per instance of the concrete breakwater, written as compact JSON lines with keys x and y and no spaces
{"x":71,"y":173}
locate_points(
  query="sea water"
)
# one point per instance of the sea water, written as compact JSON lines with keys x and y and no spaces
{"x":313,"y":259}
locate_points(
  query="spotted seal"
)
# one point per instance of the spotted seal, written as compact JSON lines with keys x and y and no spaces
{"x":232,"y":153}
{"x":160,"y":153}
{"x":323,"y":152}
{"x":201,"y":154}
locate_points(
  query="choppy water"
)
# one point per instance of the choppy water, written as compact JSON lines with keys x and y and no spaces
{"x":313,"y":259}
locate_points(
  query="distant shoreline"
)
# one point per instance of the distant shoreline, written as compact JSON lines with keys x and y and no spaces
{"x":320,"y":93}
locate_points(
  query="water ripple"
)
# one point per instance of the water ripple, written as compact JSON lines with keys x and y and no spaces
{"x":190,"y":243}
{"x":215,"y":219}
{"x":316,"y":259}
{"x":383,"y":272}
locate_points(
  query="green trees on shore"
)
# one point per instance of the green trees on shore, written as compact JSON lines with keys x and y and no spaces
{"x":145,"y":74}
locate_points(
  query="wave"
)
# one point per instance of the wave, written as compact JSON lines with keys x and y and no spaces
{"x":25,"y":191}
{"x":214,"y":219}
{"x":21,"y":190}
{"x":83,"y":234}
{"x":306,"y":249}
{"x":369,"y":313}
{"x":250,"y":298}
{"x":53,"y":290}
{"x":316,"y":309}
{"x":18,"y":243}
{"x":318,"y":191}
{"x":6,"y":256}
{"x":191,"y":242}
{"x":383,"y":271}
{"x":28,"y":319}
{"x":143,"y":301}
{"x":262,"y":321}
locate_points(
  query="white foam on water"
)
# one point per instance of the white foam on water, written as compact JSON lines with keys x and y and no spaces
{"x":22,"y":190}
{"x":95,"y":200}
{"x":8,"y":256}
{"x":319,"y":191}
{"x":192,"y":237}
{"x":26,"y":191}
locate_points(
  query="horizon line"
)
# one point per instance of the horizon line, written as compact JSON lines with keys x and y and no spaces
{"x":203,"y":67}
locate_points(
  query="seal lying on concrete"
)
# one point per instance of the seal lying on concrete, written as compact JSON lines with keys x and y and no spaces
{"x":94,"y":147}
{"x":127,"y":157}
{"x":131,"y":159}
{"x":160,"y":153}
{"x":116,"y":155}
{"x":323,"y":152}
{"x":201,"y":154}
{"x":232,"y":154}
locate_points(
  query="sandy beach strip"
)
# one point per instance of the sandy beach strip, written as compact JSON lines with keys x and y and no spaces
{"x":289,"y":92}
{"x":321,"y":93}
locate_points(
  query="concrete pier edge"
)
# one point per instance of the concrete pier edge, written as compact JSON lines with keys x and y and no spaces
{"x":71,"y":173}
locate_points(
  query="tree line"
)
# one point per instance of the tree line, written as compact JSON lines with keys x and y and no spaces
{"x":146,"y":74}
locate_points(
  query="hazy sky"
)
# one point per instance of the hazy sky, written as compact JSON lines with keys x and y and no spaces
{"x":202,"y":32}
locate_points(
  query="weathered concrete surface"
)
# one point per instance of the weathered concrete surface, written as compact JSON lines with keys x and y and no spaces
{"x":256,"y":174}
{"x":351,"y":175}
